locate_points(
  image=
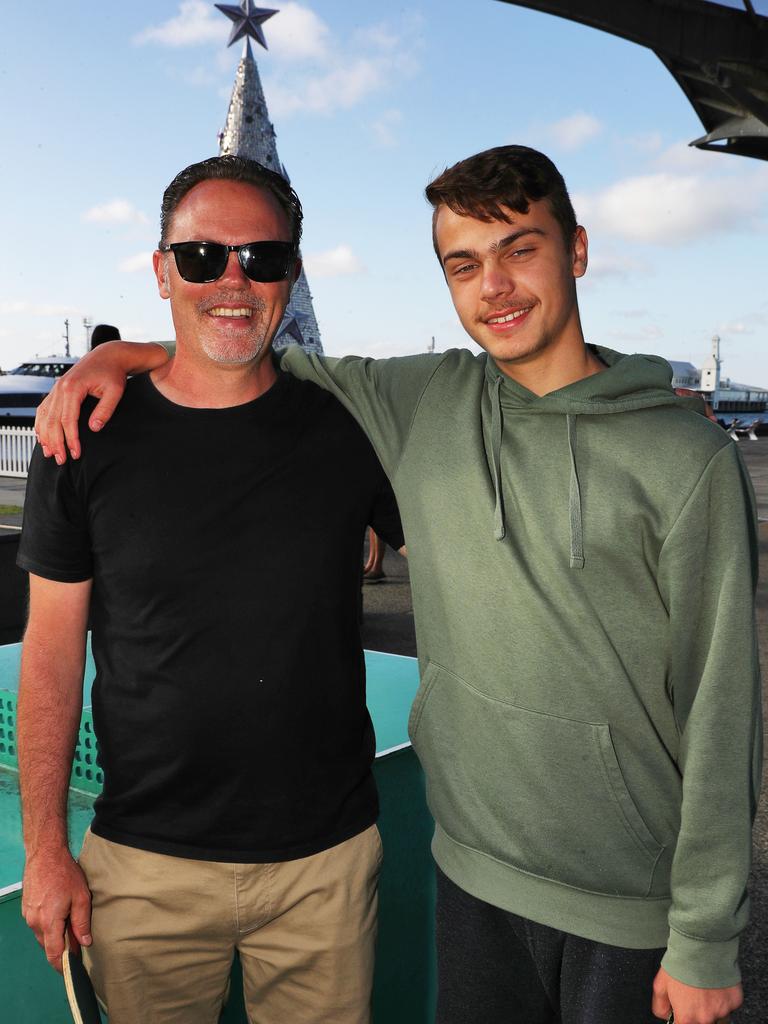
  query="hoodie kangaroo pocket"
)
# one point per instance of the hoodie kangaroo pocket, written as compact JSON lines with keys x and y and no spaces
{"x":541,"y":793}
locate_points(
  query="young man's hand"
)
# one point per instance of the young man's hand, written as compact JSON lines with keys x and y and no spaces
{"x":693,"y":1005}
{"x":55,"y":891}
{"x":101,"y":373}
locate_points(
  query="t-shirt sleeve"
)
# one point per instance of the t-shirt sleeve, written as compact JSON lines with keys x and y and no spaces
{"x":385,"y":516}
{"x":55,"y":540}
{"x":382,"y":394}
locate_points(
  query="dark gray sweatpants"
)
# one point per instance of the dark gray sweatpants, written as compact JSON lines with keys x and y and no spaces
{"x":497,"y":968}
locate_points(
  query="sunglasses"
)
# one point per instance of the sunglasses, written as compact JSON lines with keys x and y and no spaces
{"x":203,"y":262}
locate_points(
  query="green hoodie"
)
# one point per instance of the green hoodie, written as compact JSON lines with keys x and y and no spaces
{"x":583,"y":568}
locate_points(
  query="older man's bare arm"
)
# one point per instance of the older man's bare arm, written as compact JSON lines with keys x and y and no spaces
{"x":50,"y":701}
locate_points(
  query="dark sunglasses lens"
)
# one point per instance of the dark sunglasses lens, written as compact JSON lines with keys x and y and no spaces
{"x":267,"y":261}
{"x":200,"y":262}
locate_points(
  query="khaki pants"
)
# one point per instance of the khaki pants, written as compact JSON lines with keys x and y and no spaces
{"x":165,"y":930}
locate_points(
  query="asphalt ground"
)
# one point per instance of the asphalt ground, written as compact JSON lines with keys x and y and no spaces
{"x":388,"y":626}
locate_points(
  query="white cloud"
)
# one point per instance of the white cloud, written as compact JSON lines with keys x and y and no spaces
{"x":747,"y":324}
{"x":118,"y":211}
{"x":385,"y":128}
{"x":613,"y":265}
{"x":348,"y":72}
{"x":682,"y":158}
{"x":197,"y":22}
{"x":340,"y":88}
{"x":379,"y":36}
{"x":133,"y":264}
{"x":670,"y":208}
{"x":648,"y":142}
{"x":649,"y":333}
{"x":344,"y":73}
{"x":735,"y":328}
{"x":338,"y":262}
{"x":572,"y":132}
{"x":297,"y":33}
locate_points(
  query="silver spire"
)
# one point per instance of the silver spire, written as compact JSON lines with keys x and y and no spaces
{"x":249,"y":132}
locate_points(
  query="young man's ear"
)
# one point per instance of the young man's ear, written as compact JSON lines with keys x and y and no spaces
{"x":580,"y":249}
{"x":296,"y":270}
{"x":160,"y":267}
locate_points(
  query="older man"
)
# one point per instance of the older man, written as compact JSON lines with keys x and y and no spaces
{"x":213,"y":536}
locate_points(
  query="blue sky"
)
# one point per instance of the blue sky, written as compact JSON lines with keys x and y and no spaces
{"x":103,"y":103}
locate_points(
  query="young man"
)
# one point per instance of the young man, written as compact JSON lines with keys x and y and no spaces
{"x":583,"y":560}
{"x":212,"y":536}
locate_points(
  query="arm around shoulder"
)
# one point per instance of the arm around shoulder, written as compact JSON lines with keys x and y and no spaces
{"x":382,"y":394}
{"x":102,"y":372}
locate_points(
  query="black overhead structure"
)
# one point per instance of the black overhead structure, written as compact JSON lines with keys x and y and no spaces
{"x":717,"y":54}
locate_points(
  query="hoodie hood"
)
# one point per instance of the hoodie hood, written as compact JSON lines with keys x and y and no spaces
{"x":629,"y":382}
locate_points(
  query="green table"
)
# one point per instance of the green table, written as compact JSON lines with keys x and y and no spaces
{"x":404,"y":985}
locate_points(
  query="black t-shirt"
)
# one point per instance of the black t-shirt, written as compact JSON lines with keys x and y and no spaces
{"x":225,"y":549}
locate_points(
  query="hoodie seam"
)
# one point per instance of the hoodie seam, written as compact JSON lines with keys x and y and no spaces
{"x":698,"y":484}
{"x":552,"y":881}
{"x":701,"y":938}
{"x":415,"y":413}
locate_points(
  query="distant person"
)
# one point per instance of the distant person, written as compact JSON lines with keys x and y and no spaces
{"x":212,"y":535}
{"x":583,"y":558}
{"x":708,"y":410}
{"x":373,"y":569}
{"x":102,"y":333}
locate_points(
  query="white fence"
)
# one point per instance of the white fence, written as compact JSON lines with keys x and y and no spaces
{"x":16,"y":444}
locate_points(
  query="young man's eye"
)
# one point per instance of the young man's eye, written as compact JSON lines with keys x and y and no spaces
{"x":464,"y":268}
{"x":522,"y":252}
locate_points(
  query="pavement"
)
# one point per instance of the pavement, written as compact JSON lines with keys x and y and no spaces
{"x":12,"y":491}
{"x":388,"y":626}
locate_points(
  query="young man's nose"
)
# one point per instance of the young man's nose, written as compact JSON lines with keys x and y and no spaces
{"x":495,"y":282}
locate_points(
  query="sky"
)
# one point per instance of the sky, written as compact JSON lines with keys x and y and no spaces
{"x":102,"y":103}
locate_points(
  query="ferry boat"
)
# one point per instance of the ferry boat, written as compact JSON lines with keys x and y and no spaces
{"x":734,"y":404}
{"x":23,"y":388}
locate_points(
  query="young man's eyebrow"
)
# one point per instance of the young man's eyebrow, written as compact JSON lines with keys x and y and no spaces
{"x":503,"y":243}
{"x":460,"y":254}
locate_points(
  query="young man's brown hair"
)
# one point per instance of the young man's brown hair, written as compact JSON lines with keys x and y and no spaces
{"x":507,"y":176}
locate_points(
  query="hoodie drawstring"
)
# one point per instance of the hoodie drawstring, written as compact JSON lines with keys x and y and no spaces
{"x":574,"y":502}
{"x":498,"y":515}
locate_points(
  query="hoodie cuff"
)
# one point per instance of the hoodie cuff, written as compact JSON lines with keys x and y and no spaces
{"x":700,"y":963}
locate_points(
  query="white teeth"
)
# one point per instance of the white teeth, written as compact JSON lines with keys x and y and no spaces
{"x":227,"y":311}
{"x":506,"y":319}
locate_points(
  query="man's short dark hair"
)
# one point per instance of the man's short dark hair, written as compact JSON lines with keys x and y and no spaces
{"x":232,"y":168}
{"x":507,"y":176}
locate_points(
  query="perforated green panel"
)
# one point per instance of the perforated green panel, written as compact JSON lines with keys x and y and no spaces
{"x":86,"y":776}
{"x":8,"y":728}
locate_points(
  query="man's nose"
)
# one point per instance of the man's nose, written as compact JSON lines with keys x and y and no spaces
{"x":495,"y":282}
{"x":233,"y":272}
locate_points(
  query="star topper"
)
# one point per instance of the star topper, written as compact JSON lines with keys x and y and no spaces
{"x":247,"y":20}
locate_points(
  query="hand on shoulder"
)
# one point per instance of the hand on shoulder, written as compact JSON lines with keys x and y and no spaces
{"x":101,"y":373}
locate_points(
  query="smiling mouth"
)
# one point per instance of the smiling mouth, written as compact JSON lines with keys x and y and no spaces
{"x":228,"y":311}
{"x":509,"y":317}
